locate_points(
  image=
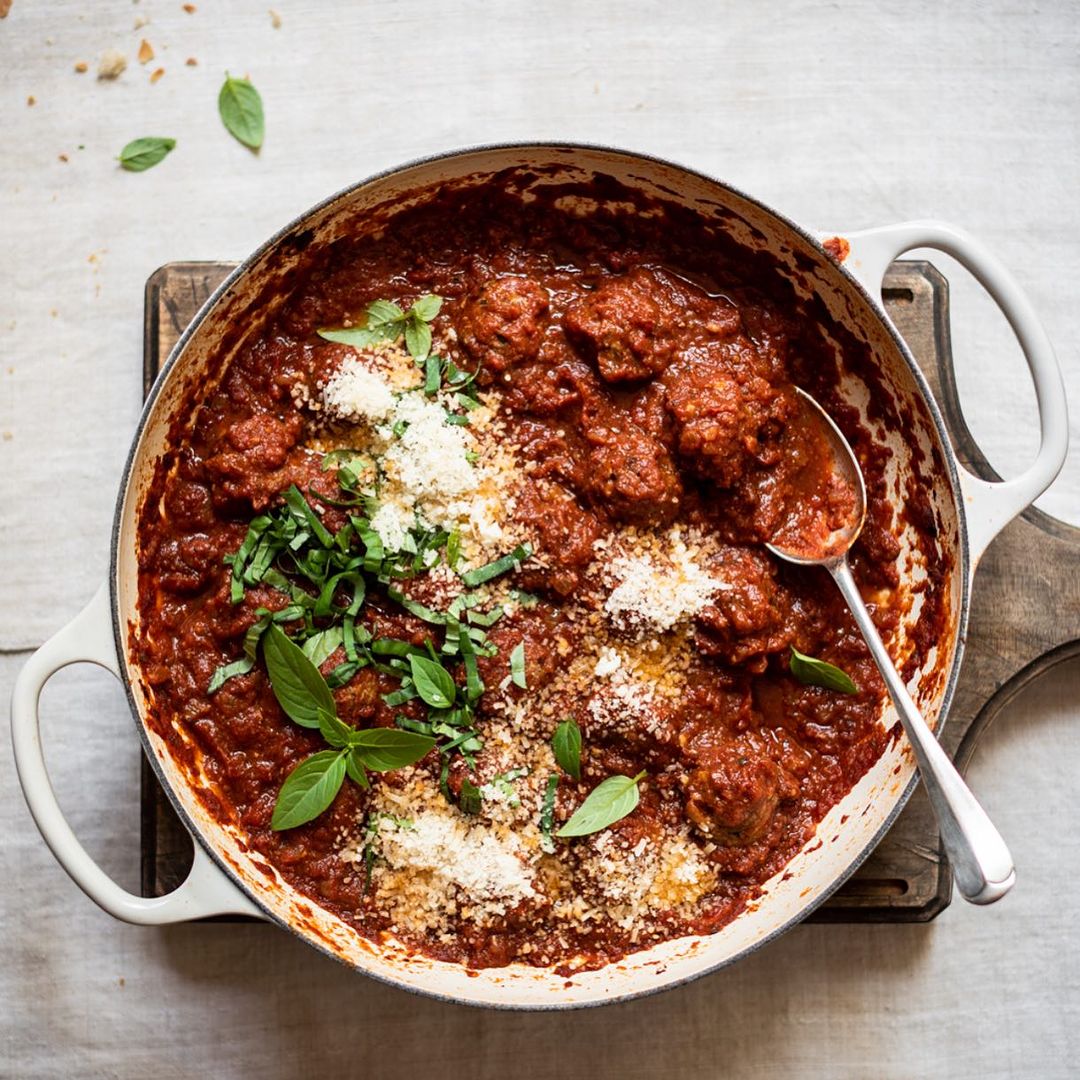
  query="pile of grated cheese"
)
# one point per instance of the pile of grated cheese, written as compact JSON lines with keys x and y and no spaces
{"x":433,"y":472}
{"x":657,"y":589}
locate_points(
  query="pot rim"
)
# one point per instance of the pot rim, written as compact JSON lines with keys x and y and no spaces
{"x":298,"y":223}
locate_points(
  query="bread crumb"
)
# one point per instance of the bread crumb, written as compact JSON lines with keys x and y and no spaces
{"x":5,"y":7}
{"x":146,"y":52}
{"x":112,"y":64}
{"x":191,"y":61}
{"x":62,"y":157}
{"x":82,"y":66}
{"x":31,"y":100}
{"x":157,"y":75}
{"x":275,"y":19}
{"x":140,"y":21}
{"x":190,"y":8}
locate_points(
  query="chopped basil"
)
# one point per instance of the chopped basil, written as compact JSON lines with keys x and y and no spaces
{"x":469,"y":798}
{"x":472,"y":578}
{"x":610,"y":801}
{"x":241,"y":110}
{"x":547,"y":815}
{"x":566,"y":745}
{"x":517,"y":665}
{"x":813,"y":672}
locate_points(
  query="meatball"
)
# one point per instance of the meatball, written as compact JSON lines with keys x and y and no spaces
{"x":634,"y":479}
{"x":748,"y":618}
{"x":258,"y":448}
{"x":727,"y":415}
{"x":503,"y":325}
{"x":733,"y":793}
{"x":566,"y":533}
{"x":625,"y":326}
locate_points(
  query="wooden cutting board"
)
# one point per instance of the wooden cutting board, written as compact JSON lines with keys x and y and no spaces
{"x":1025,"y":614}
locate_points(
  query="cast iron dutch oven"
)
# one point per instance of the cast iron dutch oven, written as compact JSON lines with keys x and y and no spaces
{"x":971,"y":512}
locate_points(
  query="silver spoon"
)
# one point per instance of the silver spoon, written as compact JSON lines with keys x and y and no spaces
{"x":982,"y":863}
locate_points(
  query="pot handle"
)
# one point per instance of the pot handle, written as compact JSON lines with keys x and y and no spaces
{"x":989,"y":506}
{"x":206,"y":890}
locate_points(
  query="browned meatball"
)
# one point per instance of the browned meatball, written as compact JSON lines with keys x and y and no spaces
{"x":566,"y":533}
{"x":625,"y":326}
{"x":748,"y":618}
{"x":732,"y":795}
{"x":504,"y":324}
{"x":250,"y":469}
{"x":634,"y":479}
{"x":727,"y":415}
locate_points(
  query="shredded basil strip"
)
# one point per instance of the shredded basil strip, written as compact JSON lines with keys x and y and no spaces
{"x":482,"y":574}
{"x":517,"y":665}
{"x":547,"y":815}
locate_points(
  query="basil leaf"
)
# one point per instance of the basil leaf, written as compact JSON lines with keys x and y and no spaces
{"x":383,"y":749}
{"x":517,"y":665}
{"x":336,"y":732}
{"x":813,"y":672}
{"x":383,"y":313}
{"x":418,"y":339}
{"x":354,"y":767}
{"x":300,"y":689}
{"x":359,"y":337}
{"x":433,"y":682}
{"x":228,"y":671}
{"x":321,"y":646}
{"x":241,"y":111}
{"x":142,"y":154}
{"x":474,"y":685}
{"x":547,"y":815}
{"x":432,"y":375}
{"x":469,"y":798}
{"x":472,"y":578}
{"x":309,"y":789}
{"x":610,"y":801}
{"x":343,"y":673}
{"x":566,"y":745}
{"x":427,"y":307}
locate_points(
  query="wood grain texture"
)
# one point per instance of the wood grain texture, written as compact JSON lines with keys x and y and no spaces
{"x":1026,"y":607}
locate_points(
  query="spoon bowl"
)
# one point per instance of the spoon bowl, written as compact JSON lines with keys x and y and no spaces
{"x":820,"y":532}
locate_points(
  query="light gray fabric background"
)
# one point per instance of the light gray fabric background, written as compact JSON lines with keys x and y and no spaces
{"x":842,"y":115}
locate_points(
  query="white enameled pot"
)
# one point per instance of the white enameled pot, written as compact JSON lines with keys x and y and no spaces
{"x":971,"y":511}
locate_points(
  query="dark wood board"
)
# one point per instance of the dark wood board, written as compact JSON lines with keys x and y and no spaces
{"x":1025,"y":614}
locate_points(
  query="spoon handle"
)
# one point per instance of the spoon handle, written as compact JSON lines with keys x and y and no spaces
{"x":981,"y":861}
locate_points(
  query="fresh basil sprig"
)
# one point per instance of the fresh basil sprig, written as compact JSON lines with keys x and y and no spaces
{"x":386,"y":321}
{"x":305,"y":697}
{"x":813,"y":672}
{"x":610,"y":801}
{"x":241,"y":111}
{"x":142,"y":154}
{"x":566,"y":745}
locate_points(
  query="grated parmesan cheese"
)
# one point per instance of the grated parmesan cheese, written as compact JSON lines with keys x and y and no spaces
{"x":455,"y":853}
{"x":355,"y":392}
{"x":658,"y":591}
